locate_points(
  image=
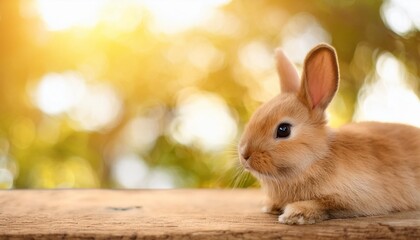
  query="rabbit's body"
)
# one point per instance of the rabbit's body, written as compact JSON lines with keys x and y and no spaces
{"x":370,"y":168}
{"x":311,"y":172}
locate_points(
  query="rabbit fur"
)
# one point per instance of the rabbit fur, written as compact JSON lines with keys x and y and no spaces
{"x":318,"y":173}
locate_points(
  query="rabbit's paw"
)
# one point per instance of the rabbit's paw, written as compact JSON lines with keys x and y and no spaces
{"x":305,"y":212}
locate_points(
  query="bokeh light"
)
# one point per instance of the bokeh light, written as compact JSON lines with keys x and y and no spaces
{"x":389,"y":98}
{"x":58,"y":93}
{"x":62,"y":14}
{"x":92,"y":107}
{"x":402,"y":16}
{"x":300,"y":34}
{"x":175,"y":16}
{"x":203,"y":120}
{"x":99,"y":108}
{"x":130,"y":171}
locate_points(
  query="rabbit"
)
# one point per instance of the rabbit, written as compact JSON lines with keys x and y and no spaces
{"x":311,"y":172}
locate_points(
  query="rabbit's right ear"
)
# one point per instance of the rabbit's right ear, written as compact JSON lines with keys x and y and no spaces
{"x":289,"y":78}
{"x":320,"y":77}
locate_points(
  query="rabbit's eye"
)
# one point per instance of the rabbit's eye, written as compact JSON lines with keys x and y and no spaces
{"x":283,"y":130}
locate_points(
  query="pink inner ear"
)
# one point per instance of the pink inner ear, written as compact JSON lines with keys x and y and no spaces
{"x":321,"y":77}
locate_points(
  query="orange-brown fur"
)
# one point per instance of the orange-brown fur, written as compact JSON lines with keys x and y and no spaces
{"x":319,"y":173}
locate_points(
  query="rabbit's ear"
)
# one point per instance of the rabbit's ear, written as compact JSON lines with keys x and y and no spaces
{"x":320,"y":77}
{"x":289,"y":78}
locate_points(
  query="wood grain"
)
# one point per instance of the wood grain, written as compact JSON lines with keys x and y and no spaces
{"x":174,"y":214}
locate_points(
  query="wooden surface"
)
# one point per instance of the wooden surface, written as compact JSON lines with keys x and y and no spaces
{"x":186,"y":214}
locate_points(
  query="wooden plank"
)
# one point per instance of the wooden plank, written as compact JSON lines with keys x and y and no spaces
{"x":163,"y":214}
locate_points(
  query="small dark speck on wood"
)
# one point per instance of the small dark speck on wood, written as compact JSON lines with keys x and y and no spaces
{"x":123,"y":208}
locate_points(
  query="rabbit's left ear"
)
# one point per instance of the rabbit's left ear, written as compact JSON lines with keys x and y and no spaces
{"x":320,"y":77}
{"x":289,"y":78}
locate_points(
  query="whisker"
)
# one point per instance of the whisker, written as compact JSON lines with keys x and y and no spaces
{"x":238,"y":179}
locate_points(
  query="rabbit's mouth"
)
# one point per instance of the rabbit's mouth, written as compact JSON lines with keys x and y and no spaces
{"x":261,"y":165}
{"x":268,"y":170}
{"x":279,"y":174}
{"x":245,"y":164}
{"x":257,"y":162}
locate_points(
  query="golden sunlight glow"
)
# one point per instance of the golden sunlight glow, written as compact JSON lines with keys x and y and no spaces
{"x":131,"y":171}
{"x":167,"y":16}
{"x":62,"y":14}
{"x":389,"y":98}
{"x":91,"y":106}
{"x":174,"y":16}
{"x":401,"y":16}
{"x":203,"y":119}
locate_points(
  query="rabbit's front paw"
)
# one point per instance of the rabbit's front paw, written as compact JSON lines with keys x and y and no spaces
{"x":305,"y":212}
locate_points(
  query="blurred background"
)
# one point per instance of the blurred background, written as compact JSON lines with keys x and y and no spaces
{"x":155,"y":93}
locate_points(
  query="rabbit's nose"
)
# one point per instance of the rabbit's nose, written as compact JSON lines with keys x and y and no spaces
{"x":246,"y":156}
{"x":245,"y":153}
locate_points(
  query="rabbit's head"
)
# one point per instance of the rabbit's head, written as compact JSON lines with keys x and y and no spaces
{"x":288,"y":134}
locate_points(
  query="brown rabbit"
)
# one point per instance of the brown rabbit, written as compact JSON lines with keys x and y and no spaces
{"x":312,"y":172}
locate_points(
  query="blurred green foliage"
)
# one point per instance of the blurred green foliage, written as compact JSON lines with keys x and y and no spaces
{"x":224,"y":63}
